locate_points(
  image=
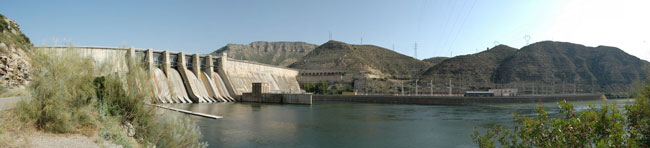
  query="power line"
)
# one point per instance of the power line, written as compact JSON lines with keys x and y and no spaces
{"x":456,"y":18}
{"x":463,"y":23}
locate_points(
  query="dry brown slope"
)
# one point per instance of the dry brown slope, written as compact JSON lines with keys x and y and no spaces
{"x":477,"y":67}
{"x":607,"y":69}
{"x":335,"y":55}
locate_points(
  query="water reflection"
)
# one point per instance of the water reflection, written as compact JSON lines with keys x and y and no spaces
{"x":343,"y":124}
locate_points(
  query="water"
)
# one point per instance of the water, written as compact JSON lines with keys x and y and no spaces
{"x":345,"y":124}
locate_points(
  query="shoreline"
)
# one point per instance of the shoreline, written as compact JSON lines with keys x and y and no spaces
{"x":454,"y":100}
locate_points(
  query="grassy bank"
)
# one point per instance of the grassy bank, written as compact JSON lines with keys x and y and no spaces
{"x":72,"y":94}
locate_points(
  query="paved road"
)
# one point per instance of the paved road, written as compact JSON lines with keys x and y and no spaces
{"x":9,"y":102}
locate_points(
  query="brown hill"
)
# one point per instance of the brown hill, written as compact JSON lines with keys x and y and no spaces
{"x":477,"y":68}
{"x":335,"y":55}
{"x":435,"y":60}
{"x":598,"y":69}
{"x":544,"y":67}
{"x":274,"y":53}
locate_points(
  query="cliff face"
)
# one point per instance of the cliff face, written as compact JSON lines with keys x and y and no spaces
{"x":335,"y":55}
{"x":14,"y":65}
{"x":274,"y":53}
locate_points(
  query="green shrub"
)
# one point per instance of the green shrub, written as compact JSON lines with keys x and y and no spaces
{"x":638,"y":118}
{"x":176,"y":131}
{"x":61,"y":87}
{"x":606,"y":126}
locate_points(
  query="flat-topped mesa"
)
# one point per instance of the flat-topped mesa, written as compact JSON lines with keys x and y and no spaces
{"x":181,"y":78}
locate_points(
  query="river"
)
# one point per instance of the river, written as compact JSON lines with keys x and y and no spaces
{"x":346,"y":124}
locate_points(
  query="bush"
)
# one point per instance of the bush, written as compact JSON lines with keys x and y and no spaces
{"x":595,"y":127}
{"x":318,"y":88}
{"x":61,"y":87}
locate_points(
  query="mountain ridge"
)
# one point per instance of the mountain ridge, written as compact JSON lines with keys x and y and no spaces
{"x":282,"y":53}
{"x":376,"y":60}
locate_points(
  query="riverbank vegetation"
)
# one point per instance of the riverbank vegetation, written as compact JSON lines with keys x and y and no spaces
{"x":323,"y":87}
{"x":604,"y":126}
{"x":73,"y":94}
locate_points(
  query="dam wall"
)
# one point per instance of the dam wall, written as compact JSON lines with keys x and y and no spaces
{"x":241,"y":74}
{"x":192,"y":78}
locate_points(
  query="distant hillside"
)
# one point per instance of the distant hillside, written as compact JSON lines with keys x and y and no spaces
{"x":605,"y":68}
{"x":274,"y":53}
{"x":14,"y":62}
{"x":435,"y":60}
{"x":335,"y":55}
{"x":545,"y":65}
{"x":477,"y":67}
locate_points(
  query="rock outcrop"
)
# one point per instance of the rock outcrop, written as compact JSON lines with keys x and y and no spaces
{"x":14,"y":62}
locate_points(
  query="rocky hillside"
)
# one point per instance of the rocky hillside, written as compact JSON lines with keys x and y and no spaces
{"x":546,"y":65}
{"x":435,"y":60}
{"x":14,"y":65}
{"x":274,"y":53}
{"x":477,"y":67}
{"x":335,"y":55}
{"x":603,"y":68}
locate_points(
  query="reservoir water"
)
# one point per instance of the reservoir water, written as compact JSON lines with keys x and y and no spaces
{"x":346,"y":124}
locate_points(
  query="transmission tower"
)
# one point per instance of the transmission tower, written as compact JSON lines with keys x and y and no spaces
{"x":415,"y":49}
{"x":527,"y":38}
{"x":330,"y":35}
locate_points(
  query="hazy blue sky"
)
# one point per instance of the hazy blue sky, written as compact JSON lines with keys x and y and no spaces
{"x":440,"y":27}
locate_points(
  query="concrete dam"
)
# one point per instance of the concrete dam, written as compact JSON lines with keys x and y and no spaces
{"x":194,"y":78}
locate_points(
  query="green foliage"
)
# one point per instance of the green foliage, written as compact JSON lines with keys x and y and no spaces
{"x":318,"y":88}
{"x":595,"y":127}
{"x":322,"y":88}
{"x":61,"y":91}
{"x":638,"y":116}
